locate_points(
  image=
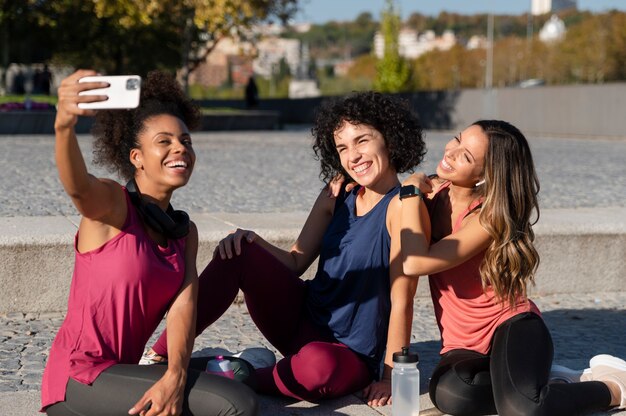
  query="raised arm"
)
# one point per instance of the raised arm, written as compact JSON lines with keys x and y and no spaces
{"x":306,"y":248}
{"x":94,"y":198}
{"x":419,"y":258}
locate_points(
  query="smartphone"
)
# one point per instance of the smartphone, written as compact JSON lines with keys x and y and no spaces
{"x":123,"y":92}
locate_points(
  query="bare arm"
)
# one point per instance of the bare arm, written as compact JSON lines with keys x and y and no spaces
{"x":420,"y":258}
{"x":94,"y":198}
{"x":403,"y":290}
{"x":305,"y":249}
{"x":166,"y":395}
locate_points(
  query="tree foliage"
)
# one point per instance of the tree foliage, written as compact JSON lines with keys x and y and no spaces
{"x":201,"y":23}
{"x":393,"y":72}
{"x":117,"y":36}
{"x":338,"y":40}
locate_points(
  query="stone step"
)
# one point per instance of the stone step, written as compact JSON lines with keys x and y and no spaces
{"x":582,"y":251}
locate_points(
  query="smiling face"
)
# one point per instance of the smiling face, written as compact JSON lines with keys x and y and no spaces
{"x":165,"y":156}
{"x":364,"y":155}
{"x":464,"y":157}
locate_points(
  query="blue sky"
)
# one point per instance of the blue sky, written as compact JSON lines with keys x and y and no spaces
{"x":320,"y":11}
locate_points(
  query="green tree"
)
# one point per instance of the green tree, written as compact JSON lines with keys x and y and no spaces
{"x":135,"y":35}
{"x":393,"y":72}
{"x":22,"y":38}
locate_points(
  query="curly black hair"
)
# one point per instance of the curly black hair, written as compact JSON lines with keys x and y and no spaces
{"x":116,"y":131}
{"x":391,"y":116}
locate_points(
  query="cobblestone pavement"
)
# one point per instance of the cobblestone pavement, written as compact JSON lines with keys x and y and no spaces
{"x":582,"y":325}
{"x":275,"y":171}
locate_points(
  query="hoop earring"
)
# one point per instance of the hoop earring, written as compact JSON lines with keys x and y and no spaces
{"x":482,"y":181}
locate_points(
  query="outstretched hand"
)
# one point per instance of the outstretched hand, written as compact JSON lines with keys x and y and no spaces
{"x":378,"y":393}
{"x":68,"y":93}
{"x":231,"y":245}
{"x":421,"y":180}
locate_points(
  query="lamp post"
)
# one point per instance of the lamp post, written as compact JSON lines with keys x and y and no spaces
{"x":489,"y":67}
{"x":488,"y":109}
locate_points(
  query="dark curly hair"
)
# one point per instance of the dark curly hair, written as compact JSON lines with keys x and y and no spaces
{"x":391,"y":116}
{"x":116,"y":131}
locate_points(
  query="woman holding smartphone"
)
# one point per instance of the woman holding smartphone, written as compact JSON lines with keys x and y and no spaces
{"x":497,"y":351}
{"x":135,"y":261}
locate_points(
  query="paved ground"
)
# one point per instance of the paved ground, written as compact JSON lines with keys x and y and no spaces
{"x":275,"y":172}
{"x":581,"y":325}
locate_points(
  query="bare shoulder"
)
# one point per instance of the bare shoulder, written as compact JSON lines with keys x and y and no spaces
{"x":395,"y":206}
{"x":325,"y":203}
{"x":394,"y":213}
{"x":192,"y":240}
{"x":193,"y":230}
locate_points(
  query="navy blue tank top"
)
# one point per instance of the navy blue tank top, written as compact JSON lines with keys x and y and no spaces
{"x":350,"y":294}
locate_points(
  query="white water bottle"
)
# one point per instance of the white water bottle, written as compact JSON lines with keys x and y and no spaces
{"x":405,"y":384}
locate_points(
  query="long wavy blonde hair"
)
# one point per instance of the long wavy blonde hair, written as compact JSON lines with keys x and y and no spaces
{"x":508,"y":212}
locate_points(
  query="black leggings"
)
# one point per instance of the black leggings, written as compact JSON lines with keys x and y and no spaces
{"x":119,"y":387}
{"x":513,"y":379}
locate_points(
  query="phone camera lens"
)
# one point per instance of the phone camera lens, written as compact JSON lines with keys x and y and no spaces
{"x":132,"y":84}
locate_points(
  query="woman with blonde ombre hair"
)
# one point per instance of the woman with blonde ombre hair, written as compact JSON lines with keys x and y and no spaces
{"x":471,"y":233}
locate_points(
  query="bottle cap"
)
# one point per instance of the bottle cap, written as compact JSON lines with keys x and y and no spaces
{"x":219,"y":364}
{"x":405,"y":357}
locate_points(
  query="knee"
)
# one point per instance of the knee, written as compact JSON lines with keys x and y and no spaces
{"x":448,"y":402}
{"x":455,"y":396}
{"x":318,"y":362}
{"x":316,"y":371}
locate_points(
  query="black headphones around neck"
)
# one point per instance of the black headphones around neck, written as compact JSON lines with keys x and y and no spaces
{"x":172,"y":223}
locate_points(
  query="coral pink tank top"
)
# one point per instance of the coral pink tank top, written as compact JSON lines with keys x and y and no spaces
{"x":466,"y":314}
{"x":118,"y":296}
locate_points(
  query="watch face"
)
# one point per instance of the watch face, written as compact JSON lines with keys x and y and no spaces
{"x":409,"y":190}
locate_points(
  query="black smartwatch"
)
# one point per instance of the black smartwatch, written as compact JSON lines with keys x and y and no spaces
{"x":409,"y":191}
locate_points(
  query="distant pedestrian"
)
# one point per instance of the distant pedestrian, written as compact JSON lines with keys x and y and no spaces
{"x":37,"y":82}
{"x":45,"y":80}
{"x":252,"y":94}
{"x":19,"y":81}
{"x":472,"y":235}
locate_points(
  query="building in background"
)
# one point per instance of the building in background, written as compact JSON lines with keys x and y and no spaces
{"x":230,"y":61}
{"x":412,"y":45}
{"x":553,"y":30}
{"x":539,"y":7}
{"x":271,"y":50}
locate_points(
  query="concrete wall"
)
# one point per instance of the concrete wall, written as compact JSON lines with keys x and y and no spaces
{"x":575,"y":110}
{"x":582,"y":251}
{"x":42,"y":122}
{"x":585,"y":110}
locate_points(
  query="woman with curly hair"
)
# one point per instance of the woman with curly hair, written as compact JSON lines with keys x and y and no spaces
{"x":332,"y":330}
{"x":497,"y":351}
{"x":135,"y":260}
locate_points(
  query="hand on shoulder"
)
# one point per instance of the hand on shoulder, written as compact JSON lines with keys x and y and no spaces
{"x":420,"y":180}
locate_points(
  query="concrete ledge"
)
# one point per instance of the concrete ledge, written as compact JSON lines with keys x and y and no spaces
{"x":582,"y":251}
{"x":42,"y":122}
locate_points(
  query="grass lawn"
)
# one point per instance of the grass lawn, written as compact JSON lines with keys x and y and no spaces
{"x":50,"y":99}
